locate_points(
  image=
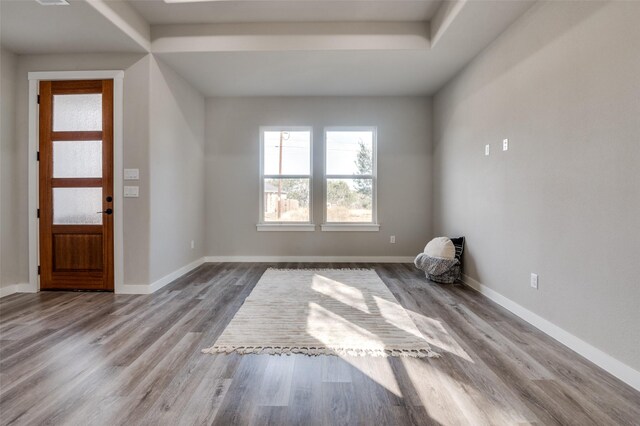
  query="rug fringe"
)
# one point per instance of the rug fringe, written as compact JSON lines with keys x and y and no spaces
{"x":316,"y":351}
{"x":319,"y":269}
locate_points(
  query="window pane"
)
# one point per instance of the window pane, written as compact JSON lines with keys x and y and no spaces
{"x":77,"y":159}
{"x":77,"y":112}
{"x":349,"y":200}
{"x":77,"y":206}
{"x":286,"y":200}
{"x":349,"y":152}
{"x":287,"y":153}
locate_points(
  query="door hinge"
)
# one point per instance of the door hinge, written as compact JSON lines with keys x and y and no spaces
{"x":38,"y":269}
{"x":38,"y":99}
{"x":38,"y":156}
{"x":38,"y":213}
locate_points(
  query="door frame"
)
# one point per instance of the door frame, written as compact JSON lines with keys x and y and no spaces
{"x":118,"y":228}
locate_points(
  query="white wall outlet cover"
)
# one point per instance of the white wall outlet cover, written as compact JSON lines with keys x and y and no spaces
{"x":534,"y":281}
{"x":505,"y":144}
{"x":392,"y":239}
{"x":131,"y":174}
{"x":131,"y":191}
{"x":487,"y":149}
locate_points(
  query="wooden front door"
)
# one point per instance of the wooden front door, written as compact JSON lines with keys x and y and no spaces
{"x":76,"y":185}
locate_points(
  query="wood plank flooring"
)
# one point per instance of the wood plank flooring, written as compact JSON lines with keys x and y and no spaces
{"x":105,"y":359}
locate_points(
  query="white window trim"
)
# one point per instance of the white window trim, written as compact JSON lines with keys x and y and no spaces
{"x":350,"y":227}
{"x":372,"y":226}
{"x":285,"y":226}
{"x":278,"y":227}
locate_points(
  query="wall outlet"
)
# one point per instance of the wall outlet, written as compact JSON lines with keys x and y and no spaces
{"x":392,"y":239}
{"x":193,"y":244}
{"x":505,"y":144}
{"x":534,"y":281}
{"x":487,"y":149}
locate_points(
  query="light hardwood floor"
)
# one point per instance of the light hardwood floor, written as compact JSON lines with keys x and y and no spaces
{"x":99,"y":358}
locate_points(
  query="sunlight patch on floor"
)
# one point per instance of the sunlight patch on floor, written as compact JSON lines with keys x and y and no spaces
{"x":332,"y":329}
{"x":324,"y":325}
{"x":396,"y":315}
{"x":473,"y":393}
{"x":435,"y":334}
{"x":377,"y":369}
{"x":341,"y":292}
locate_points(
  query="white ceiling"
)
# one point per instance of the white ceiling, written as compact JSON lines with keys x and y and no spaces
{"x":317,"y":73}
{"x":27,"y":27}
{"x":275,"y":48}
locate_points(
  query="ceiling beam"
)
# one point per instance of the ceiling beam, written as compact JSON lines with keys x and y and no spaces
{"x":315,"y":36}
{"x":443,"y":18}
{"x":125,"y":18}
{"x":457,"y":22}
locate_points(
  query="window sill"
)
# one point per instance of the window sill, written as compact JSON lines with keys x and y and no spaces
{"x":350,"y":227}
{"x":279,"y":227}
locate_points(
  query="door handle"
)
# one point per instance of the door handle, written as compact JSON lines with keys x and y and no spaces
{"x":107,"y":211}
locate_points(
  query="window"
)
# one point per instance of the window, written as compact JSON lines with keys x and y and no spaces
{"x":350,"y":179}
{"x":285,"y":178}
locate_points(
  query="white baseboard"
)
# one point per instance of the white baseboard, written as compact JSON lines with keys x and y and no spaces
{"x":16,"y":288}
{"x":133,"y":289}
{"x":26,"y":288}
{"x":8,"y":290}
{"x":311,"y":259}
{"x":158,"y":284}
{"x":593,"y":354}
{"x":120,"y":289}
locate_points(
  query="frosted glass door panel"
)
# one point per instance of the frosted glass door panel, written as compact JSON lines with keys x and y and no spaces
{"x":77,"y":159}
{"x":77,"y":206}
{"x":77,"y":113}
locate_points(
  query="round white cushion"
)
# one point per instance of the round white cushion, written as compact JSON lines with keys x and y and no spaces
{"x":440,"y":247}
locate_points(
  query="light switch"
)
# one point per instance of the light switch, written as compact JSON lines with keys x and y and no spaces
{"x":487,"y":149}
{"x":131,"y":191}
{"x":131,"y":174}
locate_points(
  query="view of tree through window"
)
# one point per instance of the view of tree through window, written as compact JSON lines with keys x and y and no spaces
{"x":286,"y":175}
{"x":350,"y":176}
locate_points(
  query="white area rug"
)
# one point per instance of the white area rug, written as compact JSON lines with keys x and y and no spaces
{"x":322,"y":312}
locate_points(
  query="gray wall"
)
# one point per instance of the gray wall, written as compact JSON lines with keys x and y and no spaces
{"x":564,"y":201}
{"x":163,"y":117}
{"x":404,"y":174}
{"x":136,"y":119}
{"x":136,"y":155}
{"x":177,"y":172}
{"x":9,"y":274}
